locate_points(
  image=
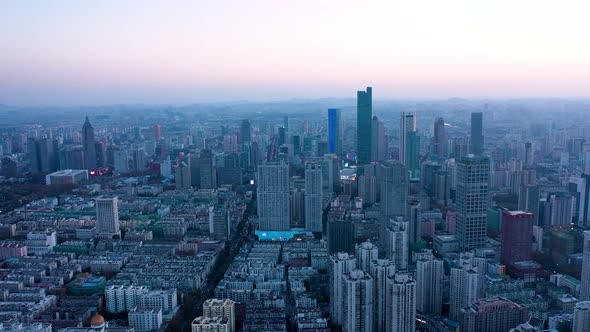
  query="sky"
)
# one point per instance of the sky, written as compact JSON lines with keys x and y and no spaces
{"x":111,"y":51}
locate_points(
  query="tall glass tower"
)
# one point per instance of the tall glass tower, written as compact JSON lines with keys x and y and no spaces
{"x":364,"y":114}
{"x":88,"y":145}
{"x":472,"y":198}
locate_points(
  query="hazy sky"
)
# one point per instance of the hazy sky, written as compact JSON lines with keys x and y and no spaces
{"x":97,"y":52}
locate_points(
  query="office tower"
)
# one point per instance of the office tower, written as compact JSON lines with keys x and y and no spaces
{"x":492,"y":314}
{"x":367,"y":188}
{"x":528,"y":154}
{"x":157,"y":132}
{"x":273,"y":197}
{"x":221,"y":308}
{"x":517,"y":236}
{"x":471,"y":201}
{"x":414,"y":222}
{"x":282,"y":136}
{"x":393,"y":181}
{"x":364,"y":114}
{"x":429,"y":281}
{"x":322,"y":148}
{"x":335,"y":131}
{"x":395,"y":243}
{"x":559,"y":209}
{"x":166,"y":168}
{"x":207,"y":174}
{"x":442,"y":188}
{"x":340,"y":264}
{"x":440,"y":138}
{"x":246,"y":131}
{"x":107,"y":215}
{"x":219,"y":227}
{"x":340,"y":236}
{"x":138,"y":160}
{"x":230,"y":143}
{"x":579,"y":187}
{"x":330,"y":173}
{"x":358,"y":290}
{"x":585,"y":279}
{"x":101,"y":156}
{"x":366,"y":253}
{"x":313,"y":197}
{"x":297,"y":207}
{"x":47,"y":154}
{"x":286,"y":123}
{"x":381,"y":270}
{"x":412,"y":160}
{"x":9,"y":167}
{"x":407,"y":124}
{"x":182,"y":175}
{"x":477,"y":133}
{"x":400,"y":303}
{"x":581,"y":321}
{"x":121,"y":159}
{"x":378,"y":140}
{"x":466,"y":285}
{"x":88,"y":145}
{"x":528,"y":200}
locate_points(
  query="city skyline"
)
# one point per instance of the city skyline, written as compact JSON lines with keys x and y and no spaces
{"x":67,"y":53}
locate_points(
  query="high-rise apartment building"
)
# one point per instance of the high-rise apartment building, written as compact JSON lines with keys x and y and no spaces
{"x":219,"y":226}
{"x":273,"y":197}
{"x":471,"y":201}
{"x":88,"y":145}
{"x":585,"y":282}
{"x":581,"y":321}
{"x":366,"y":253}
{"x":381,"y":271}
{"x":207,"y":172}
{"x":492,"y":314}
{"x":396,"y":246}
{"x":221,"y":308}
{"x":358,"y":291}
{"x":364,"y":114}
{"x":429,"y":285}
{"x":340,"y":264}
{"x":400,"y":303}
{"x":107,"y":215}
{"x":477,"y":133}
{"x":313,"y":197}
{"x":335,"y":131}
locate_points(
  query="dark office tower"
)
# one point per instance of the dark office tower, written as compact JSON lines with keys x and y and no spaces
{"x":246,"y":131}
{"x":413,"y":154}
{"x":414,"y":221}
{"x":517,"y":236}
{"x":335,"y":131}
{"x":407,"y":124}
{"x":340,"y":236}
{"x":477,"y":132}
{"x":378,"y":140}
{"x":282,"y":136}
{"x":471,"y":200}
{"x":208,"y":178}
{"x":33,"y":151}
{"x":88,"y":145}
{"x":322,"y":148}
{"x":528,"y":154}
{"x":286,"y":123}
{"x":101,"y":156}
{"x":44,"y":155}
{"x":9,"y":167}
{"x":192,"y":162}
{"x":157,"y":132}
{"x":364,"y":115}
{"x":255,"y":155}
{"x":440,"y":138}
{"x":296,"y":139}
{"x":393,"y":182}
{"x":138,"y":160}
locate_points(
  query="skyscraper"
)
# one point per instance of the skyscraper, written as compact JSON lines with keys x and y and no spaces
{"x":367,"y":188}
{"x":378,"y":140}
{"x":219,"y":227}
{"x":335,"y":131}
{"x":393,"y":182}
{"x":138,"y":160}
{"x":585,"y":282}
{"x":471,"y":201}
{"x":381,"y":270}
{"x":340,"y":264}
{"x":440,"y":138}
{"x":357,"y":302}
{"x":246,"y":131}
{"x":207,"y":173}
{"x":407,"y":124}
{"x":88,"y":145}
{"x":273,"y":197}
{"x":107,"y":216}
{"x":395,"y":243}
{"x":121,"y":159}
{"x":528,"y":200}
{"x":581,"y":321}
{"x":364,"y":114}
{"x":517,"y":236}
{"x":313,"y":197}
{"x":466,"y":285}
{"x":413,"y":154}
{"x":477,"y":132}
{"x":429,"y":281}
{"x":414,"y":221}
{"x":401,"y":303}
{"x":366,"y":253}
